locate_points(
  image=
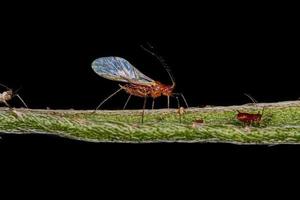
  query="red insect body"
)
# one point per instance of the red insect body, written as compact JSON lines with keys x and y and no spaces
{"x":249,"y":118}
{"x":156,"y":90}
{"x":137,"y":84}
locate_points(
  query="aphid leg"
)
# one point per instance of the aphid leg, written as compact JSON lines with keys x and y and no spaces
{"x":127,"y":102}
{"x":144,"y":106}
{"x":187,"y":105}
{"x":184,"y":99}
{"x":21,"y":100}
{"x":168,"y":97}
{"x":262,"y":112}
{"x":179,"y":111}
{"x":108,"y":98}
{"x":7,"y":104}
{"x":16,"y":91}
{"x":153,"y":102}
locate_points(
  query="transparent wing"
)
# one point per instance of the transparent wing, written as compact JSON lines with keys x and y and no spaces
{"x":119,"y":69}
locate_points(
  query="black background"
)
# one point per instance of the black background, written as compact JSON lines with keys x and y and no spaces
{"x":215,"y":52}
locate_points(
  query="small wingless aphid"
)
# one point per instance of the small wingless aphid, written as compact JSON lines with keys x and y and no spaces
{"x":249,"y":118}
{"x":8,"y":95}
{"x":137,"y":84}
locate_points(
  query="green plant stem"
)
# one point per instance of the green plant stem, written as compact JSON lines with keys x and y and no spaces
{"x":280,"y":124}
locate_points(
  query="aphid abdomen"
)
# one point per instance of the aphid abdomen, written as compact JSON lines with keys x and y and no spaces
{"x":248,"y":118}
{"x":136,"y":90}
{"x":243,"y":117}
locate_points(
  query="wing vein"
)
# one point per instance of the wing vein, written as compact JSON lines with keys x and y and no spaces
{"x":119,"y":69}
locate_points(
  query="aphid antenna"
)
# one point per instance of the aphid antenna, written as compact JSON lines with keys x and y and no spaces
{"x":250,"y":97}
{"x":161,"y":60}
{"x":5,"y":86}
{"x":255,"y":102}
